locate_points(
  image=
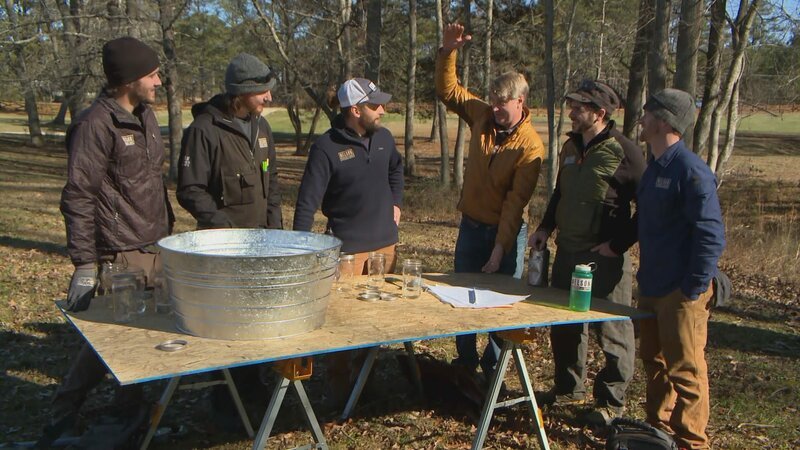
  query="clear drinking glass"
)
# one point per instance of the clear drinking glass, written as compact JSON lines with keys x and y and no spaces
{"x":376,"y":267}
{"x":345,"y":272}
{"x":123,"y":296}
{"x":412,"y":278}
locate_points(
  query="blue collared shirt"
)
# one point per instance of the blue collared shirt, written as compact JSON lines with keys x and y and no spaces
{"x":681,"y":235}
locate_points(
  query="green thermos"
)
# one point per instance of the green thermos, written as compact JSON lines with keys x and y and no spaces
{"x":580,"y":292}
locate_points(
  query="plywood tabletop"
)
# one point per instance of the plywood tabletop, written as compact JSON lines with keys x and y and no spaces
{"x":129,"y":350}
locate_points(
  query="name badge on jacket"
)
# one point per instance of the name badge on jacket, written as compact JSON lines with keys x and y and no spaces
{"x":344,"y":155}
{"x":128,"y":140}
{"x":262,"y":142}
{"x":663,"y":183}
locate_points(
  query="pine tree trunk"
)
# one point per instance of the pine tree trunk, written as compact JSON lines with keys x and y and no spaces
{"x":657,"y":59}
{"x":688,"y":45}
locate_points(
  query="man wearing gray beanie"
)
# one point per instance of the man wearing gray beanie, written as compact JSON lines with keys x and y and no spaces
{"x":115,"y":208}
{"x":681,"y":237}
{"x":227,"y":175}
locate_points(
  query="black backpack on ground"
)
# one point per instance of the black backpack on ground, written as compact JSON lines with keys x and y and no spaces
{"x":631,"y":434}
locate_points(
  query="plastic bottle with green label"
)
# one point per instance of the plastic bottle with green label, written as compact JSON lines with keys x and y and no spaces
{"x":580,"y":292}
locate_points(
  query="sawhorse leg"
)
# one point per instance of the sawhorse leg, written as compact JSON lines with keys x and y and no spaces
{"x":529,"y":398}
{"x":366,"y":368}
{"x":166,"y":396}
{"x":275,"y":402}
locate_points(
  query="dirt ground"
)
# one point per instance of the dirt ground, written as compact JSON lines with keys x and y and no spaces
{"x":753,"y":349}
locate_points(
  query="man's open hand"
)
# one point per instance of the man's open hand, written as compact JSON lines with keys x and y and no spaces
{"x":454,"y":37}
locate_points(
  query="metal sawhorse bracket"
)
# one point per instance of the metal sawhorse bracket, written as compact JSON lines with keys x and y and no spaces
{"x":291,"y":371}
{"x":366,"y":368}
{"x":166,"y":396}
{"x":511,"y":341}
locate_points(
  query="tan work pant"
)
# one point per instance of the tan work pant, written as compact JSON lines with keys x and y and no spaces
{"x":361,"y":267}
{"x":672,"y":348}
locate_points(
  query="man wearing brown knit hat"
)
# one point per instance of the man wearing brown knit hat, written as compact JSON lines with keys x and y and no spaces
{"x":591,"y":209}
{"x":115,"y":207}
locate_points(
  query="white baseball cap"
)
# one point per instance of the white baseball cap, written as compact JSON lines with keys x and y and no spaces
{"x":356,"y":91}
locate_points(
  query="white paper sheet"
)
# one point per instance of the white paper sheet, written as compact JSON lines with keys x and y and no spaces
{"x":459,"y":297}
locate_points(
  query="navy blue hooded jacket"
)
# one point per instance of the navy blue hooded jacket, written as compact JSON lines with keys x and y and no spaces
{"x":357,"y":182}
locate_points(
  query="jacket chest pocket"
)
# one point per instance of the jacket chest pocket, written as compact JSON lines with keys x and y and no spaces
{"x":131,"y":160}
{"x":240,"y":189}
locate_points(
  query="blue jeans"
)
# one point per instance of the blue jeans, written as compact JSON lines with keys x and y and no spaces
{"x":473,"y":248}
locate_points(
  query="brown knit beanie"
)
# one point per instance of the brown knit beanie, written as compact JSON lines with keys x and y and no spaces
{"x":127,"y":59}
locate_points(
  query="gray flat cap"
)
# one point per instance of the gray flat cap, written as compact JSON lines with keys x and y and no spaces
{"x":673,"y":106}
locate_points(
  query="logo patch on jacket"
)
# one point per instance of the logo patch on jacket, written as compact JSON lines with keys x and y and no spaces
{"x":187,"y":161}
{"x":128,"y":140}
{"x":262,"y":142}
{"x":569,"y":160}
{"x":663,"y":183}
{"x":346,"y":154}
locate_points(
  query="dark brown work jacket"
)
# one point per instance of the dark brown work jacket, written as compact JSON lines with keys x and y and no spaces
{"x":226,"y":179}
{"x":114,"y":199}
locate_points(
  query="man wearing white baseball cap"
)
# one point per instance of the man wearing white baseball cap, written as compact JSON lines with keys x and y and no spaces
{"x":355,"y":174}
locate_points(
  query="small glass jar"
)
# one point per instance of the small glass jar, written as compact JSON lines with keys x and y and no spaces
{"x":123,"y":296}
{"x":376,"y":267}
{"x":412,"y":278}
{"x":345,"y":273}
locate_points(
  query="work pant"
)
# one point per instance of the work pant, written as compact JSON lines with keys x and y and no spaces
{"x":87,"y":370}
{"x":361,"y":259}
{"x":473,"y":248}
{"x":612,"y":280}
{"x":672,"y":348}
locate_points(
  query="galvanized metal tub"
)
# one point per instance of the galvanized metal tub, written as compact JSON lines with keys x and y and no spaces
{"x":242,"y":284}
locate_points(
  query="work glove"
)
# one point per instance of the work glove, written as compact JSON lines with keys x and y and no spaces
{"x":81,"y":288}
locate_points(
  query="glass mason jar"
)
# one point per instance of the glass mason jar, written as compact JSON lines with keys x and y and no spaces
{"x":412,"y":278}
{"x":123,"y":296}
{"x":376,"y":267}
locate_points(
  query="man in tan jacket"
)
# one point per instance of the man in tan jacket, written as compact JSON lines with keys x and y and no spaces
{"x":505,"y":155}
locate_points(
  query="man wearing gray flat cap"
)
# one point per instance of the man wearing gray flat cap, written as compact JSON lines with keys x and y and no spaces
{"x":227,"y":174}
{"x":681,"y":237}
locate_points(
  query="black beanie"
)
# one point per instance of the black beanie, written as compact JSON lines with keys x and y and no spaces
{"x":127,"y":59}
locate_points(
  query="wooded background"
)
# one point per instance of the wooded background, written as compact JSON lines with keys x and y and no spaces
{"x":732,"y":55}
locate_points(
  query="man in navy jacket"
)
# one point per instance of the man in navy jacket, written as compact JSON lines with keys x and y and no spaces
{"x":355,"y":173}
{"x":681,"y":237}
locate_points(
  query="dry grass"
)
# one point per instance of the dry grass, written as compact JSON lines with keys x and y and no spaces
{"x":754,"y":345}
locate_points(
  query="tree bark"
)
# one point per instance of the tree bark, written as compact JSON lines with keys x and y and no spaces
{"x":740,"y":33}
{"x":372,"y":69}
{"x":293,"y":111}
{"x":311,"y":130}
{"x":19,"y":68}
{"x":411,"y":72}
{"x":713,"y":77}
{"x":487,"y":52}
{"x":168,"y":14}
{"x":552,"y":153}
{"x":566,"y":77}
{"x":458,"y":165}
{"x":637,"y":71}
{"x":689,"y":27}
{"x":345,"y":43}
{"x":441,"y":111}
{"x":657,"y":59}
{"x":600,"y":39}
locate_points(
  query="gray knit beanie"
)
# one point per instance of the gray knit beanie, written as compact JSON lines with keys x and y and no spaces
{"x":673,"y":106}
{"x":246,"y":74}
